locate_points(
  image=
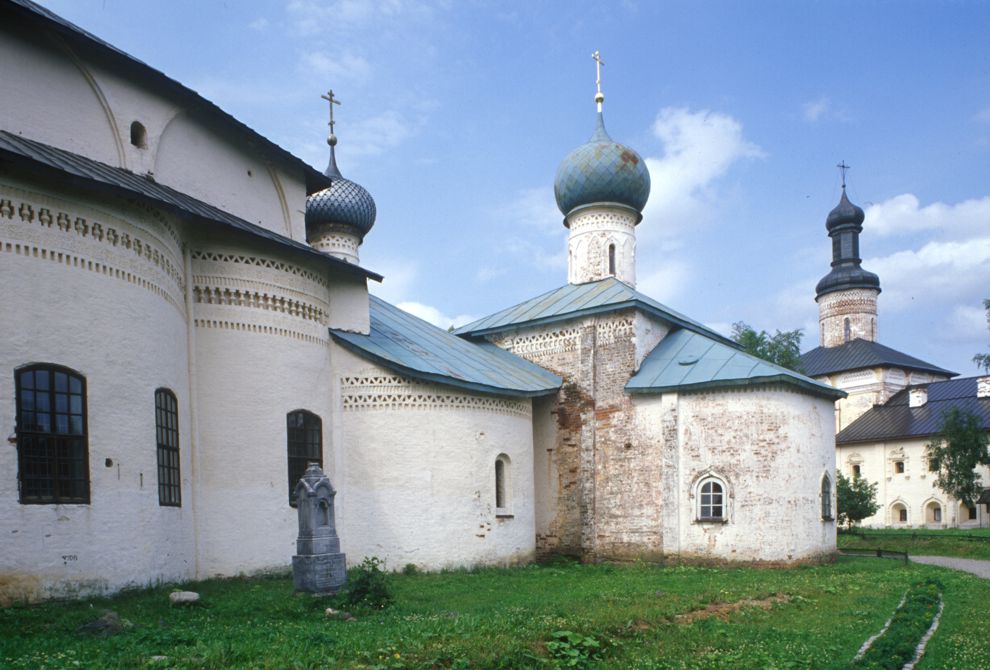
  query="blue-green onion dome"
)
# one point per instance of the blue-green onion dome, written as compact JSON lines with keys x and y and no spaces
{"x":601,"y":171}
{"x":344,"y":203}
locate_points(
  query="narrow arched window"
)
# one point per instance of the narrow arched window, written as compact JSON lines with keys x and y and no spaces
{"x":52,"y":446}
{"x":711,"y":500}
{"x":304,"y":433}
{"x":502,"y":486}
{"x":167,"y":438}
{"x":826,"y":498}
{"x":139,"y":136}
{"x":846,"y":329}
{"x":611,"y":260}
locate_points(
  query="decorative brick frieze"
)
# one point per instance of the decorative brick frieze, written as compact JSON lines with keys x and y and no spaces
{"x":847,"y":315}
{"x":259,"y":262}
{"x":391,"y":392}
{"x":259,"y":329}
{"x":268,"y":301}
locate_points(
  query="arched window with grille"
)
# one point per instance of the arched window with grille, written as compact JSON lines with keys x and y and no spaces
{"x":304,"y":436}
{"x":167,"y":439}
{"x":711,"y":497}
{"x":52,"y":445}
{"x":826,"y":493}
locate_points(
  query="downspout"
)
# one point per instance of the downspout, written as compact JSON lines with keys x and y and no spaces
{"x":194,"y":455}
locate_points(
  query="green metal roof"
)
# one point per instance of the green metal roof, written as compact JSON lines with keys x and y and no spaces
{"x":575,"y":300}
{"x":690,"y":361}
{"x":408,"y":345}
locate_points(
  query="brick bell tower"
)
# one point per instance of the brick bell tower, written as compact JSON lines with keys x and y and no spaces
{"x":847,"y":295}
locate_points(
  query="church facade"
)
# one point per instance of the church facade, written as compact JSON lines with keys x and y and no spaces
{"x":187,"y":325}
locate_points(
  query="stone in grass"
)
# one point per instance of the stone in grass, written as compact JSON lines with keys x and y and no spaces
{"x":183,"y":597}
{"x":108,"y":624}
{"x":331,"y":613}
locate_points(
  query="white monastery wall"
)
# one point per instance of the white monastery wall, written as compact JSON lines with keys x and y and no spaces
{"x":869,"y":387}
{"x":415,"y":472}
{"x":96,"y":288}
{"x":261,"y":351}
{"x":770,"y":446}
{"x":89,"y":109}
{"x":908,"y":487}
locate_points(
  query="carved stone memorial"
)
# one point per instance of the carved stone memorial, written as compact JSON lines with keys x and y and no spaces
{"x":318,"y":566}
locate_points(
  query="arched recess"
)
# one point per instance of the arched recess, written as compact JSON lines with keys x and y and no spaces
{"x":898,"y":513}
{"x":934,"y":512}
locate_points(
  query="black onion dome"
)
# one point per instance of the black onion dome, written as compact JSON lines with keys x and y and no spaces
{"x":845,"y":213}
{"x":844,"y":277}
{"x":344,"y":202}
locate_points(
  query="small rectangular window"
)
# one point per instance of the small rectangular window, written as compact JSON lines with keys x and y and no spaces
{"x":934,"y":465}
{"x":902,"y":515}
{"x":857,"y":470}
{"x":899,"y":467}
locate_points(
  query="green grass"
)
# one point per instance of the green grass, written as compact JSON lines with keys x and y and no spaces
{"x":807,"y":617}
{"x":947,"y":542}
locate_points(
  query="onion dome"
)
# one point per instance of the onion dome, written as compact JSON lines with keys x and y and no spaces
{"x":602,"y":171}
{"x":844,"y":224}
{"x":344,"y":202}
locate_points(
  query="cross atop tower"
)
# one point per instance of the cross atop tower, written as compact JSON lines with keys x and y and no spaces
{"x":599,"y":96}
{"x":331,"y":138}
{"x":842,"y":168}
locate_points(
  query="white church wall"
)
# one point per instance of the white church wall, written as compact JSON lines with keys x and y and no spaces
{"x":770,"y":447}
{"x":88,"y":108}
{"x":900,"y":468}
{"x":415,"y":471}
{"x":95,"y":287}
{"x":261,"y":351}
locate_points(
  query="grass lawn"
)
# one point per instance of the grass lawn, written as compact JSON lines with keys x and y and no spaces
{"x":642,"y":616}
{"x":949,"y":542}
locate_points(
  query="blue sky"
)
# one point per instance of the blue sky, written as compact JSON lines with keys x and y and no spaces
{"x":456,"y":114}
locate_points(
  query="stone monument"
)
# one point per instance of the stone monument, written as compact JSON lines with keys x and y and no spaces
{"x":318,"y":566}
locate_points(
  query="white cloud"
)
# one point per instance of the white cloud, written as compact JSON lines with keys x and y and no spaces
{"x":377,"y":134}
{"x":967,"y":322}
{"x":815,"y":109}
{"x":666,"y":283}
{"x":435,"y":316}
{"x":344,"y":66}
{"x":536,"y":208}
{"x":699,"y":148}
{"x":260,"y":24}
{"x":540,"y":236}
{"x":903,"y":214}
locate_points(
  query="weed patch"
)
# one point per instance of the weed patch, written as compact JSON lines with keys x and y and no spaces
{"x":897,"y":645}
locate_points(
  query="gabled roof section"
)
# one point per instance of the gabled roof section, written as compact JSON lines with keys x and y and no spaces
{"x":28,"y":157}
{"x":576,"y":300}
{"x":76,"y":36}
{"x":858,"y":354}
{"x":895,"y":419}
{"x":689,"y":361}
{"x":404,"y":343}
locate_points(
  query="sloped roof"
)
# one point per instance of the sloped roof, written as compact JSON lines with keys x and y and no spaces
{"x":895,"y":419}
{"x":858,"y":354}
{"x":689,"y":361}
{"x":27,"y":156}
{"x":574,"y":300}
{"x":407,"y":344}
{"x":73,"y":34}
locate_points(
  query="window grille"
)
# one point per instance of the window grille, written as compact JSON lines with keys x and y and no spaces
{"x":167,"y":438}
{"x":52,"y":448}
{"x":304,"y":431}
{"x":711,"y":505}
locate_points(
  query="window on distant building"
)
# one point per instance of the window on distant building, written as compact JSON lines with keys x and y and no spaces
{"x":711,"y":500}
{"x":826,"y":498}
{"x":502,"y":486}
{"x":898,"y":513}
{"x":304,"y":432}
{"x":139,"y":136}
{"x":899,"y":467}
{"x":167,"y":437}
{"x":846,"y":330}
{"x":857,"y":470}
{"x":971,"y":512}
{"x":611,"y":260}
{"x":934,"y":465}
{"x":52,"y":449}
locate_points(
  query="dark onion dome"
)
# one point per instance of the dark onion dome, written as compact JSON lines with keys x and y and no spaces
{"x":602,"y":171}
{"x":845,"y":213}
{"x":343,"y":202}
{"x":844,"y":223}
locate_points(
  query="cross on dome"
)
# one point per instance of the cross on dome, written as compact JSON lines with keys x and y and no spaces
{"x":331,"y":138}
{"x":842,"y":168}
{"x":599,"y":96}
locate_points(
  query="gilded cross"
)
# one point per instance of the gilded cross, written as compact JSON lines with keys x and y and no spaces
{"x":599,"y":96}
{"x":333,"y":101}
{"x":842,"y":168}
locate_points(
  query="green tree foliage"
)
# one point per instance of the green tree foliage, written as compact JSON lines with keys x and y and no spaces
{"x":856,"y":498}
{"x":983,"y":360}
{"x":782,"y":348}
{"x":959,"y":446}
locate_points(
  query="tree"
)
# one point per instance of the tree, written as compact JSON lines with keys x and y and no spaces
{"x":959,"y":446}
{"x":857,"y":499}
{"x":983,"y":360}
{"x":782,"y":348}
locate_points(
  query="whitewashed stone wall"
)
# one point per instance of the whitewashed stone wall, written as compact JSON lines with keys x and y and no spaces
{"x":98,"y":288}
{"x":415,"y":471}
{"x":913,"y":489}
{"x":869,"y":387}
{"x":59,"y":97}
